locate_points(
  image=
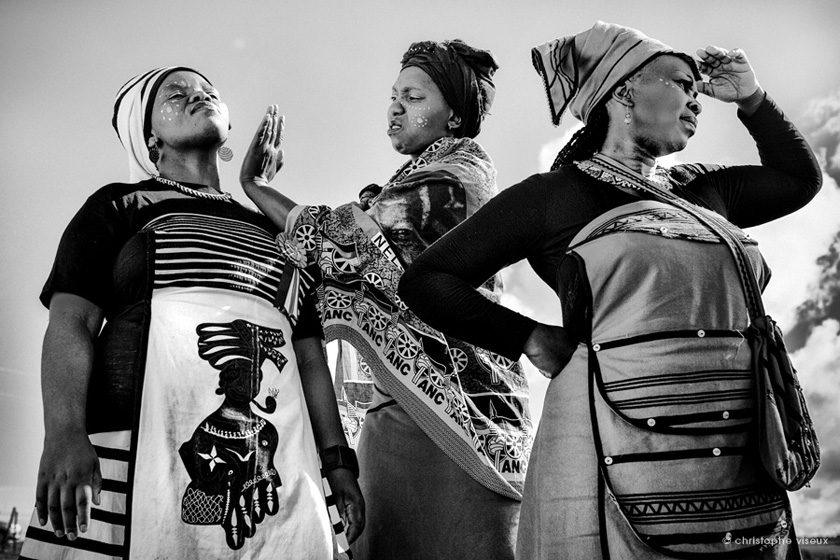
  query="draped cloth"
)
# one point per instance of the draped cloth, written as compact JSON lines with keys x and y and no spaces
{"x":470,"y":402}
{"x":579,"y":71}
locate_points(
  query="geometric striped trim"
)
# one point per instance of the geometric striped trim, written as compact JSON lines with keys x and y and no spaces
{"x":683,"y":399}
{"x":698,"y":506}
{"x":678,"y":378}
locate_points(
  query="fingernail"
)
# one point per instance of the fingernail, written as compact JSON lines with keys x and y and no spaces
{"x":59,"y":533}
{"x":71,"y":536}
{"x":42,"y":521}
{"x":83,"y":528}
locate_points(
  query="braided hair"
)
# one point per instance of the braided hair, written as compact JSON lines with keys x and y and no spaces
{"x":587,"y":140}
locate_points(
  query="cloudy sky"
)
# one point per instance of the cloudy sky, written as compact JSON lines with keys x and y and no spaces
{"x":330,"y":65}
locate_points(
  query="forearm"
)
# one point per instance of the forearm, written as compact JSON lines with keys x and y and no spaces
{"x":67,"y":361}
{"x":318,"y":392}
{"x":275,"y":205}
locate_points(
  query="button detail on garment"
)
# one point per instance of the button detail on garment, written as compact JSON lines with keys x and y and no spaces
{"x":651,"y":422}
{"x":716,"y":451}
{"x":608,"y":460}
{"x":725,"y":414}
{"x":596,"y":347}
{"x":701,"y":333}
{"x":663,"y":229}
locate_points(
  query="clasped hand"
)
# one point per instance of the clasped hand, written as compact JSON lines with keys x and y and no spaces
{"x":264,"y":157}
{"x":731,"y":78}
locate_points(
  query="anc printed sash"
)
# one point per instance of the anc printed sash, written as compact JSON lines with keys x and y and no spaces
{"x":470,"y":402}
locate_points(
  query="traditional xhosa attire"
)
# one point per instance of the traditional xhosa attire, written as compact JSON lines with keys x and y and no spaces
{"x":644,"y":447}
{"x":195,"y":405}
{"x":446,"y":430}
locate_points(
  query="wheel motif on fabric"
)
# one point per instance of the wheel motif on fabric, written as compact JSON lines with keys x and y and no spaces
{"x":378,"y":320}
{"x":406,"y":348}
{"x":459,"y":359}
{"x":306,"y":236}
{"x":338,"y":301}
{"x":343,"y":264}
{"x":374,"y":279}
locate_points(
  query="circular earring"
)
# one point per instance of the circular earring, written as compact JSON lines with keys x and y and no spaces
{"x":627,"y":117}
{"x":225,"y":153}
{"x":154,"y":154}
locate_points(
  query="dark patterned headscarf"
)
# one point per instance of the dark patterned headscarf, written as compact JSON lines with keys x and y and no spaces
{"x":464,"y":76}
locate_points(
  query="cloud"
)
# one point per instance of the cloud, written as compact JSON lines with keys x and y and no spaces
{"x":816,"y":510}
{"x":822,"y":127}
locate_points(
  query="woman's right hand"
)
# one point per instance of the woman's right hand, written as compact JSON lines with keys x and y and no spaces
{"x":549,"y":348}
{"x":264,"y":157}
{"x":69,"y":480}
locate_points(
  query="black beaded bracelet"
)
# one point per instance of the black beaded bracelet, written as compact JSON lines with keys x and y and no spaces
{"x":337,"y":457}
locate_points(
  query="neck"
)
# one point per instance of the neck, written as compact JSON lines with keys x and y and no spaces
{"x":191,"y":167}
{"x":629,"y":154}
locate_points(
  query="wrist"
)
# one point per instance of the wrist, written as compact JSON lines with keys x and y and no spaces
{"x":339,"y":457}
{"x":750,"y":104}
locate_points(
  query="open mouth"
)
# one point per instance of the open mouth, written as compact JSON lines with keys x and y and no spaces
{"x":394,"y":127}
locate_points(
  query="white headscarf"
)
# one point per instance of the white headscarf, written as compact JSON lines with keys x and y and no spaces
{"x":131,"y":111}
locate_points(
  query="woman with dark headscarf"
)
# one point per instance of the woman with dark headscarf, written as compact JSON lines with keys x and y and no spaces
{"x":446,"y":434}
{"x":644,"y":449}
{"x":186,"y":426}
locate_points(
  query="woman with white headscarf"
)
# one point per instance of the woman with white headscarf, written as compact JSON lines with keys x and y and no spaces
{"x":187,"y":425}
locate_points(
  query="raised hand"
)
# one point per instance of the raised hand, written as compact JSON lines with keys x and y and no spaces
{"x":731,"y":78}
{"x":264,"y":157}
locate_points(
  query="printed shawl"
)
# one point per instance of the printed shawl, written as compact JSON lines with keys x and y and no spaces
{"x":470,"y":402}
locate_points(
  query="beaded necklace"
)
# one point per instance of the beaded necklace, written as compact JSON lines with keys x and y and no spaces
{"x":225,"y":197}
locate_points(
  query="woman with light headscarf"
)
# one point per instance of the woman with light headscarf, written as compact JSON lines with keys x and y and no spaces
{"x":644,"y":447}
{"x":446,"y":434}
{"x":180,"y":428}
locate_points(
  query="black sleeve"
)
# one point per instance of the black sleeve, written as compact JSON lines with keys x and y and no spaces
{"x":787,"y":179}
{"x":85,"y":258}
{"x":440,"y":285}
{"x":308,"y":323}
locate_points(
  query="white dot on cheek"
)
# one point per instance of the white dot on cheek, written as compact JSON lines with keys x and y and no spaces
{"x":168,"y":109}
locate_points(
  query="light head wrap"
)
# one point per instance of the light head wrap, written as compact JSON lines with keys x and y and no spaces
{"x":132,"y":119}
{"x":464,"y":76}
{"x":580,"y":71}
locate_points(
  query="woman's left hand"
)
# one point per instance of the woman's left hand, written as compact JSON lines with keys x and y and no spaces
{"x":731,"y":78}
{"x":349,"y":500}
{"x":264,"y":158}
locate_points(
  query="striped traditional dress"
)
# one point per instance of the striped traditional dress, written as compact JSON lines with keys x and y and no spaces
{"x":196,"y":408}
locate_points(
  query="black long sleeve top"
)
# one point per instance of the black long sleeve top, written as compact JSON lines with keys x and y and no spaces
{"x":537,"y":218}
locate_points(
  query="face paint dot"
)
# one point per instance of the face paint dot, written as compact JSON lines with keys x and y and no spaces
{"x":168,"y":109}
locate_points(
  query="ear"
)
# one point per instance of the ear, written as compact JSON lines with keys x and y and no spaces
{"x":623,"y":94}
{"x":454,"y":121}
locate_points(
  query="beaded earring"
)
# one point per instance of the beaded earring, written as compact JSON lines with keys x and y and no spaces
{"x":225,"y":153}
{"x":154,"y":154}
{"x":627,"y":117}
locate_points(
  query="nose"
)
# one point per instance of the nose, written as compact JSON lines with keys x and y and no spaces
{"x":198,"y":95}
{"x":695,"y":106}
{"x":395,"y":108}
